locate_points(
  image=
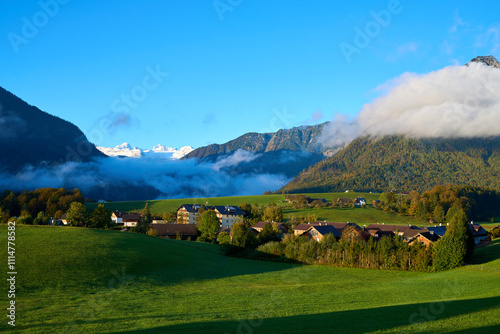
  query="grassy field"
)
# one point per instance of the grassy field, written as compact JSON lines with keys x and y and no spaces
{"x":355,"y":215}
{"x":94,"y":281}
{"x":166,"y":205}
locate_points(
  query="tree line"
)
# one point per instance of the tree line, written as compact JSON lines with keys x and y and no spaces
{"x":451,"y":251}
{"x":40,"y":203}
{"x":478,"y":203}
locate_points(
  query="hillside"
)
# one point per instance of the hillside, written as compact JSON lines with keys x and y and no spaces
{"x":404,"y":164}
{"x":294,"y":139}
{"x":29,"y":136}
{"x":85,"y":280}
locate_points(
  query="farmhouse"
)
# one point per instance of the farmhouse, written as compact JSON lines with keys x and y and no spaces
{"x":64,"y":219}
{"x":158,"y":220}
{"x":116,"y":217}
{"x":478,"y":232}
{"x":425,"y":238}
{"x":130,"y":219}
{"x":302,"y":227}
{"x":352,"y":233}
{"x":359,"y":201}
{"x":344,"y":201}
{"x":186,"y":213}
{"x":391,"y":229}
{"x":318,"y":232}
{"x":172,"y":231}
{"x":280,"y":226}
{"x":228,"y":215}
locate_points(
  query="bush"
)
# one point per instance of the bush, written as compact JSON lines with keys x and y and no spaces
{"x":272,"y":247}
{"x":152,"y":232}
{"x":224,"y":238}
{"x":28,"y":220}
{"x":495,"y":233}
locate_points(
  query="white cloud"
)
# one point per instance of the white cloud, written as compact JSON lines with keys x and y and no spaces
{"x":457,"y":101}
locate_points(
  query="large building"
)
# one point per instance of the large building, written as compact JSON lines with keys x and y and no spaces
{"x":228,"y":215}
{"x":186,"y":213}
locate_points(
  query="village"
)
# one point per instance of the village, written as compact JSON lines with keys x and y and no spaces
{"x":229,"y":215}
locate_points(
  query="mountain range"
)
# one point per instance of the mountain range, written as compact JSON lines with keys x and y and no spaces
{"x":286,"y":152}
{"x":158,"y":151}
{"x":31,"y":138}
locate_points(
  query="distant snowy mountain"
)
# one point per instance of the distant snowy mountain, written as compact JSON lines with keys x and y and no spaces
{"x":158,"y":152}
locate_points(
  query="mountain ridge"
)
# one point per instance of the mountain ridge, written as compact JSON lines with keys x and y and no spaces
{"x":31,"y":137}
{"x":294,"y":139}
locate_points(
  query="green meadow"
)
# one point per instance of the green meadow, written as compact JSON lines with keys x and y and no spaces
{"x":356,"y":215}
{"x":80,"y":280}
{"x":359,"y":216}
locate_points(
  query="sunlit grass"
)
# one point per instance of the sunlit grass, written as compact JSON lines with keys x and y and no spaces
{"x":100,"y":281}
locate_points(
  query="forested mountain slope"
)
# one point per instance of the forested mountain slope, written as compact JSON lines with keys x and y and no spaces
{"x":404,"y":164}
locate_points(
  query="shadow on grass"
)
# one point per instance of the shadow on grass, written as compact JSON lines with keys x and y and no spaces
{"x":167,"y":261}
{"x":486,"y":254}
{"x":421,"y":315}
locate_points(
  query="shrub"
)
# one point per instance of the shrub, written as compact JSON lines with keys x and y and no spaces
{"x":495,"y":233}
{"x":152,"y":232}
{"x":272,"y":247}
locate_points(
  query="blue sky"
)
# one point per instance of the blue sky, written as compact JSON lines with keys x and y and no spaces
{"x":199,"y":72}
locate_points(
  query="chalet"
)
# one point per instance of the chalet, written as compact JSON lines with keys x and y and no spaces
{"x":359,"y":201}
{"x":318,"y":232}
{"x":228,"y":215}
{"x":391,"y":229}
{"x":172,"y":231}
{"x":411,"y":234}
{"x":186,"y":213}
{"x":116,"y":217}
{"x":424,"y":238}
{"x":478,"y":232}
{"x":130,"y":219}
{"x":158,"y":220}
{"x":64,"y":219}
{"x":344,"y":201}
{"x":353,"y":233}
{"x":280,"y":226}
{"x":302,"y":227}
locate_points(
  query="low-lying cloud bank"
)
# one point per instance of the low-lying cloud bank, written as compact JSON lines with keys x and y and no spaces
{"x":456,"y":101}
{"x":129,"y":178}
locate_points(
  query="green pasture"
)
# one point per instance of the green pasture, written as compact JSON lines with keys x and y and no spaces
{"x":78,"y":280}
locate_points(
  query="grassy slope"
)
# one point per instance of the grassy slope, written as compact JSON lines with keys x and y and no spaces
{"x":67,"y":280}
{"x":357,"y":215}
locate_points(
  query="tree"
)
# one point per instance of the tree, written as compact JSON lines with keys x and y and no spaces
{"x":200,"y":213}
{"x":145,"y":221}
{"x":100,"y":217}
{"x":77,"y":214}
{"x":41,"y":219}
{"x":239,"y":234}
{"x":209,"y":226}
{"x":438,"y":214}
{"x":224,"y":238}
{"x":268,"y":233}
{"x":273,"y":213}
{"x":25,"y":219}
{"x":456,"y":245}
{"x":169,"y":217}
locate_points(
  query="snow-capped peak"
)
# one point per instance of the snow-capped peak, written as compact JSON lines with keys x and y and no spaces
{"x":158,"y":152}
{"x":124,"y":146}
